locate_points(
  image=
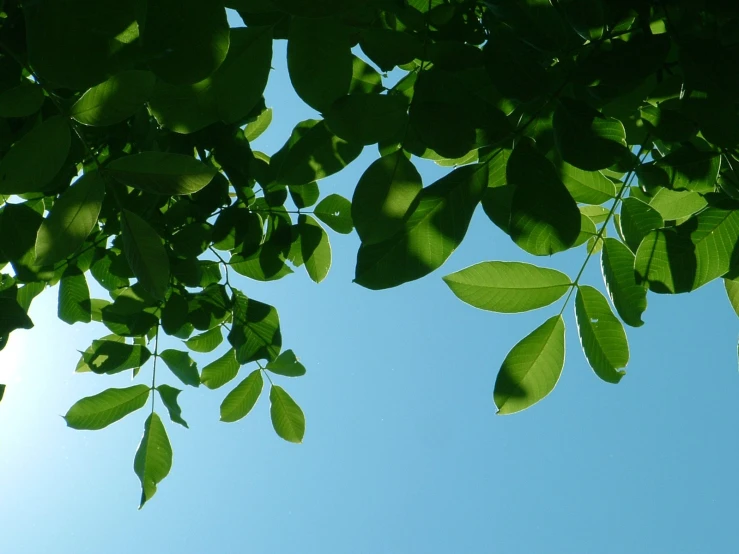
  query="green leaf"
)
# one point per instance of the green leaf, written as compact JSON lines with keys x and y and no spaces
{"x":315,"y":248}
{"x":153,"y":458}
{"x":145,"y":254}
{"x":205,"y":342}
{"x":21,"y":101}
{"x":260,"y":266}
{"x":315,"y":153}
{"x":162,"y":173}
{"x":287,"y":417}
{"x":74,"y":297}
{"x":544,"y":217}
{"x":100,"y":410}
{"x":674,"y":204}
{"x":436,"y":223}
{"x":255,"y":128}
{"x":184,"y":368}
{"x":12,"y":316}
{"x":169,"y":399}
{"x":336,"y":212}
{"x":638,"y":219}
{"x":368,"y":118}
{"x":629,"y":298}
{"x":82,"y":366}
{"x":586,"y":138}
{"x":508,"y":287}
{"x":229,"y":94}
{"x":184,"y":41}
{"x":221,"y":371}
{"x":497,"y":198}
{"x":2,"y":391}
{"x":532,"y":368}
{"x":602,"y":336}
{"x":255,"y":331}
{"x":364,"y":78}
{"x":686,"y":257}
{"x":111,"y":356}
{"x":318,"y":9}
{"x":383,"y":196}
{"x":239,"y":402}
{"x":286,"y":364}
{"x":588,"y":187}
{"x":319,"y":61}
{"x":35,"y":159}
{"x":71,"y":219}
{"x":114,"y":100}
{"x":683,"y":169}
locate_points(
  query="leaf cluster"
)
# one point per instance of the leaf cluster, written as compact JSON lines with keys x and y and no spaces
{"x":126,"y":133}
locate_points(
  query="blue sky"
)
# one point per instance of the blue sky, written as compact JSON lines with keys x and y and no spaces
{"x":403,"y":452}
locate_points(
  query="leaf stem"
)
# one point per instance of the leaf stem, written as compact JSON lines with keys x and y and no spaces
{"x":599,"y":236}
{"x":154,"y":371}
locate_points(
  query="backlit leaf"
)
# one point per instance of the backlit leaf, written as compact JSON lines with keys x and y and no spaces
{"x":629,"y":298}
{"x":114,"y":100}
{"x":602,"y":336}
{"x":508,"y":287}
{"x":100,"y":410}
{"x":153,"y":459}
{"x":336,"y":212}
{"x":205,"y":342}
{"x":74,"y":297}
{"x":71,"y":219}
{"x":169,"y":399}
{"x":221,"y":371}
{"x":287,"y":417}
{"x":184,"y":368}
{"x":435,"y":225}
{"x":532,"y":368}
{"x":239,"y":402}
{"x":286,"y":364}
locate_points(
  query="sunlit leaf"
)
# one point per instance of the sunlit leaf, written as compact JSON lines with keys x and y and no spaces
{"x":205,"y":342}
{"x":435,"y":224}
{"x":686,"y":257}
{"x":184,"y":368}
{"x":153,"y":459}
{"x":508,"y":287}
{"x":532,"y":368}
{"x":74,"y":297}
{"x":169,"y":399}
{"x":602,"y":336}
{"x":629,"y":298}
{"x":71,"y":219}
{"x":336,"y":212}
{"x":114,"y":100}
{"x":286,"y":364}
{"x":100,"y":410}
{"x":221,"y":371}
{"x":239,"y":402}
{"x":287,"y":417}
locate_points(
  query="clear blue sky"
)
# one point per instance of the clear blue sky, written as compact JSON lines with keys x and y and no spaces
{"x":403,"y":452}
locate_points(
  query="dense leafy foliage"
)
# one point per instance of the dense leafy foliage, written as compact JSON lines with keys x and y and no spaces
{"x":125,"y":157}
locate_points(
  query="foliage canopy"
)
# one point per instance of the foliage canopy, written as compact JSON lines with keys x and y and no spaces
{"x":125,"y":157}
